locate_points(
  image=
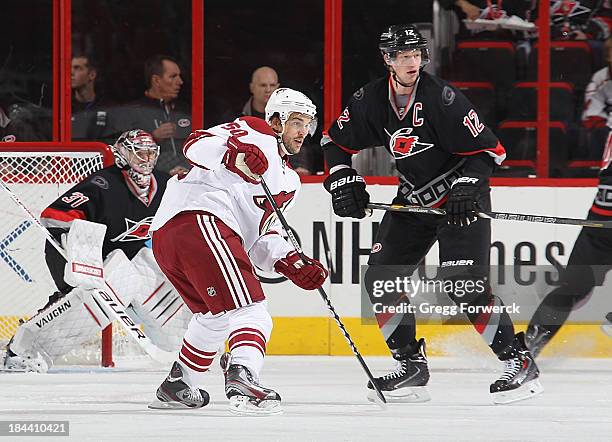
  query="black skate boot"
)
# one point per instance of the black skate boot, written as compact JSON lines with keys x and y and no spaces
{"x":245,"y":394}
{"x":408,"y":382}
{"x":606,"y":327}
{"x":175,"y":393}
{"x":520,"y":379}
{"x":536,"y":338}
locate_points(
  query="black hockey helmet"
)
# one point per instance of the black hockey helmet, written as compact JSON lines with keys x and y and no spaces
{"x":403,"y":38}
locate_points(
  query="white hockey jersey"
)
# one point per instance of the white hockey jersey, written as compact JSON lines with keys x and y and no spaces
{"x":242,"y":206}
{"x":598,"y":97}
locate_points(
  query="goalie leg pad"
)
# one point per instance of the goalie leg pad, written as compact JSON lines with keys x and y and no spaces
{"x":62,"y":326}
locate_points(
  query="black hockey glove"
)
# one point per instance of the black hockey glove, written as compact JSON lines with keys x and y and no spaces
{"x":462,"y":202}
{"x":348,"y":191}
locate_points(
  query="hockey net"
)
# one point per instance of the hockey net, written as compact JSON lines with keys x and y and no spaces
{"x":38,"y":175}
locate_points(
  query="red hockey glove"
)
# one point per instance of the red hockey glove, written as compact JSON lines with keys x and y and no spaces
{"x":309,"y":275}
{"x":245,"y":159}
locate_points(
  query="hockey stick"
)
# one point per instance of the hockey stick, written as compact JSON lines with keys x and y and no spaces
{"x":330,"y":307}
{"x":102,"y":297}
{"x":496,"y":215}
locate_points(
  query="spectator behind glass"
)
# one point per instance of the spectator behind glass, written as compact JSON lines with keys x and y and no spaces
{"x":597,"y":106}
{"x":159,"y":113}
{"x":492,"y":19}
{"x":89,"y":117}
{"x":264,"y":81}
{"x":7,"y":131}
{"x":581,"y":20}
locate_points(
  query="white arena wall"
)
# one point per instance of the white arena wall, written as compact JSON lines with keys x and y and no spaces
{"x":302,"y":324}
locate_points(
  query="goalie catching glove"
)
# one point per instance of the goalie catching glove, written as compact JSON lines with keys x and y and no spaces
{"x":308,"y":275}
{"x":245,"y":159}
{"x":462,"y":203}
{"x":348,"y":191}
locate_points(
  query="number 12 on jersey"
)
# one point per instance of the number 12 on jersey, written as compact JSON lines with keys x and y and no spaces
{"x":472,"y":122}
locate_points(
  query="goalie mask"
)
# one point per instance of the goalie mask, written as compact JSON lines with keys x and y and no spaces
{"x":402,"y":38}
{"x":136,"y":152}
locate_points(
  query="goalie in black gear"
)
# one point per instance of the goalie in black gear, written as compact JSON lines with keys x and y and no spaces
{"x":445,"y":155}
{"x":123,"y":197}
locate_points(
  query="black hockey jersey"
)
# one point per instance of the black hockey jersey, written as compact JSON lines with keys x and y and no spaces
{"x":105,"y":198}
{"x":429,"y":139}
{"x":602,"y":204}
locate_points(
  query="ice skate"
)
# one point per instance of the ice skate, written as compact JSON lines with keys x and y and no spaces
{"x":245,"y":395}
{"x":520,"y":379}
{"x":606,"y":327}
{"x":23,"y":364}
{"x":175,"y":393}
{"x":536,"y":338}
{"x":408,"y":382}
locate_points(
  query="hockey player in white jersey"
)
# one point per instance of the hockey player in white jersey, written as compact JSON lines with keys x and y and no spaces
{"x":212,"y":227}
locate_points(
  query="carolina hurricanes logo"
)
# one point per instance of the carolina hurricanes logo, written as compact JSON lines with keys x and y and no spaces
{"x":135,"y":230}
{"x":268,"y":218}
{"x":404,"y":145}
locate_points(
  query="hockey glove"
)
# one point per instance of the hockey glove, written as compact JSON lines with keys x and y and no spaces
{"x":309,"y":275}
{"x":245,"y":159}
{"x":462,"y":202}
{"x":348,"y":191}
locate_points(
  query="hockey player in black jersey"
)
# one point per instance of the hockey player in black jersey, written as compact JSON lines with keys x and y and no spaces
{"x":588,"y":264}
{"x":445,"y":156}
{"x":124,"y":197}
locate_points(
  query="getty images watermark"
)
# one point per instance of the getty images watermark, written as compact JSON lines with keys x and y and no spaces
{"x":388,"y":290}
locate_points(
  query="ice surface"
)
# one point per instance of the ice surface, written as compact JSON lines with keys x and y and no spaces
{"x":323,"y":399}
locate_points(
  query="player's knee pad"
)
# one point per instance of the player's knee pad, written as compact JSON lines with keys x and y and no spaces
{"x":253,"y":316}
{"x":61,"y":327}
{"x":207,"y":330}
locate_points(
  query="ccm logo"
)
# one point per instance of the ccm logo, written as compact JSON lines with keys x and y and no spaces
{"x":87,"y":270}
{"x":348,"y":180}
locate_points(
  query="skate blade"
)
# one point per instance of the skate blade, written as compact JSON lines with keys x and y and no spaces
{"x":527,"y":391}
{"x":402,"y":395}
{"x":15,"y":370}
{"x":607,"y":329}
{"x":159,"y":405}
{"x":241,"y":405}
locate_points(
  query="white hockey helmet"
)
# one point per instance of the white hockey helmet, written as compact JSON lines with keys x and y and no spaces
{"x":136,"y":152}
{"x":285,"y":101}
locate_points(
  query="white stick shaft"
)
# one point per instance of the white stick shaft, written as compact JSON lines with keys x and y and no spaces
{"x":34,"y":219}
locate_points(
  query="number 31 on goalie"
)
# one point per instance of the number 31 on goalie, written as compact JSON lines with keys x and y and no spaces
{"x":472,"y":122}
{"x":75,"y":199}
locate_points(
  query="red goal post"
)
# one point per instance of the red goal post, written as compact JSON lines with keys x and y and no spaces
{"x":38,"y":173}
